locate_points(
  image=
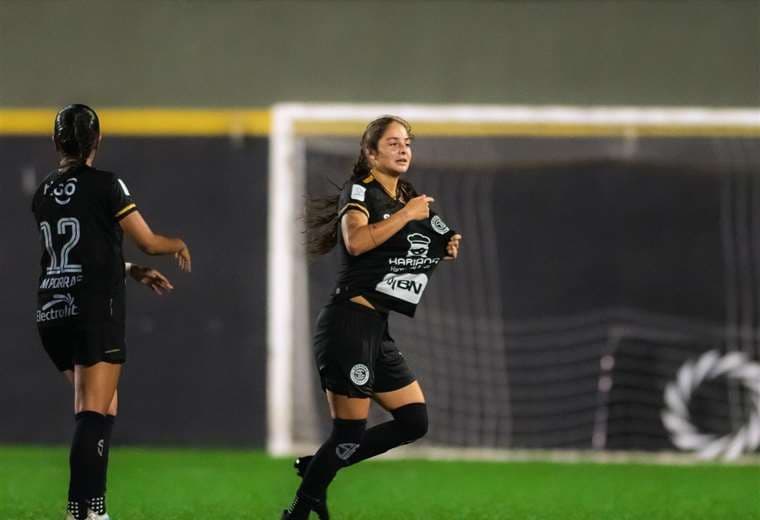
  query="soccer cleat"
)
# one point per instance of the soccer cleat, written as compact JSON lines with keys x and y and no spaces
{"x":301,"y":464}
{"x":320,"y":508}
{"x":287,"y":515}
{"x":74,"y":510}
{"x":90,"y":516}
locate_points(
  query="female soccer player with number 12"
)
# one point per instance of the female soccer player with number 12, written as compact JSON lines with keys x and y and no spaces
{"x":82,"y":214}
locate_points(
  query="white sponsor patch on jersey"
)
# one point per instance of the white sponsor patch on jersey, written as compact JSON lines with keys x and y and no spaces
{"x":408,"y":287}
{"x":439,"y":226}
{"x":123,"y":187}
{"x":357,"y":192}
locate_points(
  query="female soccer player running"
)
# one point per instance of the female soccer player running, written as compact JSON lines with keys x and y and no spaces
{"x":390,"y":242}
{"x":82,"y":214}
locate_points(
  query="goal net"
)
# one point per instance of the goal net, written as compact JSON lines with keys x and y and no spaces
{"x":607,"y":296}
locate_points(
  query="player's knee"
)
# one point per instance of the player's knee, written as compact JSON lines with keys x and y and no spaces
{"x":113,"y":408}
{"x":413,"y":419}
{"x":346,"y":436}
{"x":91,"y":406}
{"x":91,"y":402}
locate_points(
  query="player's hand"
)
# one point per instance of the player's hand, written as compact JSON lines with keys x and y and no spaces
{"x":418,"y":208}
{"x":183,"y":259}
{"x":152,"y":278}
{"x":452,"y":248}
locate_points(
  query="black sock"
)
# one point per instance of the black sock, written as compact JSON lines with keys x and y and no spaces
{"x":86,"y":460}
{"x":78,"y":510}
{"x":410,"y":422}
{"x":107,"y":433}
{"x":98,"y":504}
{"x":334,"y":454}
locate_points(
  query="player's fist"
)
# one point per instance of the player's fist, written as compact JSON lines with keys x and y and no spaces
{"x":452,"y":248}
{"x":418,"y":208}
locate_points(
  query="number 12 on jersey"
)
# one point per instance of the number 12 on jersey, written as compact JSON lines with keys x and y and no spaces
{"x":65,"y":226}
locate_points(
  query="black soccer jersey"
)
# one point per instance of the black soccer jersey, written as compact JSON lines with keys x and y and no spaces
{"x":82,"y":268}
{"x":393,"y":275}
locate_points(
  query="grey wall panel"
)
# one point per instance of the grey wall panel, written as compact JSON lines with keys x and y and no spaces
{"x":234,"y":53}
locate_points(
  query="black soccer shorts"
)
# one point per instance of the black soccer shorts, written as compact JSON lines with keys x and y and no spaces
{"x":83,"y":335}
{"x":355,"y":354}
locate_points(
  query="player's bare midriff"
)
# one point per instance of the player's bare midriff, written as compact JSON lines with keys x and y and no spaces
{"x":361,"y":300}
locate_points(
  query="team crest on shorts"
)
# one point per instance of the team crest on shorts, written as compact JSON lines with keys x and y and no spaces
{"x":359,"y":374}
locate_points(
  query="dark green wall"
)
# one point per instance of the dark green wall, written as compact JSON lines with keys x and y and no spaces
{"x":230,"y":53}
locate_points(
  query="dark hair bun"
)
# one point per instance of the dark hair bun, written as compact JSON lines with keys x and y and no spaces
{"x":76,"y":131}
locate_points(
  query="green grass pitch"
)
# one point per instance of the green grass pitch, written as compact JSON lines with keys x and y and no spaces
{"x":161,"y":484}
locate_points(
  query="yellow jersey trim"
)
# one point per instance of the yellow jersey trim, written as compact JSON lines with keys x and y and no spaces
{"x":125,"y":209}
{"x":353,"y":205}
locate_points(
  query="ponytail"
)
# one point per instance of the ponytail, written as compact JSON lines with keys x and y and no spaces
{"x":76,"y":132}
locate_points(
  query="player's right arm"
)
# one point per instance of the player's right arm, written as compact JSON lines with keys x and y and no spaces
{"x":360,"y":236}
{"x":150,"y":243}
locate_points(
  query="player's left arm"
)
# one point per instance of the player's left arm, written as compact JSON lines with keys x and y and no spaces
{"x":150,"y":277}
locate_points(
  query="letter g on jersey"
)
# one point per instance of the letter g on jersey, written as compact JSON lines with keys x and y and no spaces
{"x":63,"y":192}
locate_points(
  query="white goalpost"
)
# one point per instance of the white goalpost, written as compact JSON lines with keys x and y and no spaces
{"x":290,"y":370}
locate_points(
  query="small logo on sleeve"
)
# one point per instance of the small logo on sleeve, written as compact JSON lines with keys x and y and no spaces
{"x":357,"y":192}
{"x":123,"y":187}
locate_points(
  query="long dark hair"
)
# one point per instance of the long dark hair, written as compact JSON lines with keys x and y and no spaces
{"x":76,"y":132}
{"x":322,"y":212}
